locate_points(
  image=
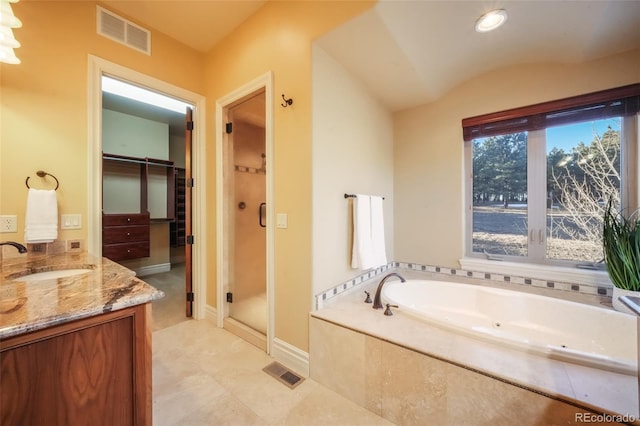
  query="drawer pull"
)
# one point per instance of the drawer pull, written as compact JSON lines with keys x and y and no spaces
{"x":128,"y":234}
{"x":128,"y":219}
{"x":128,"y":250}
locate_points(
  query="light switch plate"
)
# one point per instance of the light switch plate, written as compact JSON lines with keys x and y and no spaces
{"x":282,"y":220}
{"x":71,"y":221}
{"x":8,"y":223}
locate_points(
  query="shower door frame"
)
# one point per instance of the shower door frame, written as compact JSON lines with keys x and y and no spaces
{"x":223,"y":255}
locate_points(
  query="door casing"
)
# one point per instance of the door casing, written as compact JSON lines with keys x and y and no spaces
{"x":98,"y":67}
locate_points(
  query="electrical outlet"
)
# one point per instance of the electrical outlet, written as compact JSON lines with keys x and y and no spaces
{"x":8,"y":223}
{"x":75,"y":245}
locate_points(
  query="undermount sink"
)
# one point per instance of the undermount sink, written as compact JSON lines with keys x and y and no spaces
{"x":50,"y":275}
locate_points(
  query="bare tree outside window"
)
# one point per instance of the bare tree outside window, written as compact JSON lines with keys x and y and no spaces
{"x":580,"y":178}
{"x":579,"y":184}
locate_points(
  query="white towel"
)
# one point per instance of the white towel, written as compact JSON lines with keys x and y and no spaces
{"x":41,"y":224}
{"x":368,"y":233}
{"x":377,"y":232}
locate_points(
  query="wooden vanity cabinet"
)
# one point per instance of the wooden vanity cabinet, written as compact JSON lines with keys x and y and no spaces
{"x":126,"y":236}
{"x":93,"y":371}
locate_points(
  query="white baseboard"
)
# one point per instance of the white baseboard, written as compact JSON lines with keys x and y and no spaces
{"x":152,"y":269}
{"x":290,"y":356}
{"x":286,"y":354}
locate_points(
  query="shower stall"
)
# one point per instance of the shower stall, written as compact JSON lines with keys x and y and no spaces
{"x":246,"y":223}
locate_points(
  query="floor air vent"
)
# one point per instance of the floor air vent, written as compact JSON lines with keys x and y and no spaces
{"x":283,"y":374}
{"x":119,"y":29}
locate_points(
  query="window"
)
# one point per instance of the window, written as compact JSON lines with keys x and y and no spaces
{"x":540,"y":177}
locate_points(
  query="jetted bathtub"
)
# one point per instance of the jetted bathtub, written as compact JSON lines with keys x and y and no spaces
{"x":555,"y":328}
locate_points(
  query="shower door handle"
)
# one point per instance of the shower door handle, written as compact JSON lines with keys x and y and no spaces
{"x":262,"y":214}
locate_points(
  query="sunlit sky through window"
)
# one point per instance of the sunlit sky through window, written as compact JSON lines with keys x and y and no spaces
{"x":566,"y":137}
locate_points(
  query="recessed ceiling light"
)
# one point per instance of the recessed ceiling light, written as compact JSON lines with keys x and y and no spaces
{"x":491,"y":20}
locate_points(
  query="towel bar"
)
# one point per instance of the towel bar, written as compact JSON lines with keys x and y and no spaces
{"x":353,"y":196}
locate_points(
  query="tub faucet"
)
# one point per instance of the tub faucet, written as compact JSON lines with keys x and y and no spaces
{"x":20,"y":247}
{"x":377,"y":300}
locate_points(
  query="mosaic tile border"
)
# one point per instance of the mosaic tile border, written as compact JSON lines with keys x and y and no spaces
{"x":349,"y":284}
{"x":511,"y":279}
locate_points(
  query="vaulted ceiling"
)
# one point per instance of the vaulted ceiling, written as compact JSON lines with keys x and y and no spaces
{"x":409,"y":52}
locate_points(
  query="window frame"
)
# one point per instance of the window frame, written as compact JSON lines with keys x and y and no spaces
{"x":623,"y":101}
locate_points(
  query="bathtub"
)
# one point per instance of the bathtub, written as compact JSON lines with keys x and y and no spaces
{"x":554,"y":328}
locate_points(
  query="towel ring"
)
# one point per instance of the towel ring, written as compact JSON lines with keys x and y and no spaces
{"x":42,"y":174}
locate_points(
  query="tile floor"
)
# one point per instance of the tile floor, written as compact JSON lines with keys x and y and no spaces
{"x":204,"y":375}
{"x":169,"y":310}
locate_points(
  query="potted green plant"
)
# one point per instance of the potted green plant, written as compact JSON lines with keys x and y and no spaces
{"x":621,"y":240}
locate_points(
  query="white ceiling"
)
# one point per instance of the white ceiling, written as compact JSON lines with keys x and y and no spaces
{"x":409,"y":52}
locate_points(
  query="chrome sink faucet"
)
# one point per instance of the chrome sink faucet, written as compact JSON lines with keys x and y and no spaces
{"x":377,"y":300}
{"x":20,"y":247}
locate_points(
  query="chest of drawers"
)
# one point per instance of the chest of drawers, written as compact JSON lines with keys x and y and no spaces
{"x":125,"y":236}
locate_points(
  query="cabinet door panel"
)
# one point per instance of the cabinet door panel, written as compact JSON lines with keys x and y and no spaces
{"x":79,"y":378}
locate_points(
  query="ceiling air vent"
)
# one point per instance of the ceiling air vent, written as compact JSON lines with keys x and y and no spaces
{"x":119,"y":29}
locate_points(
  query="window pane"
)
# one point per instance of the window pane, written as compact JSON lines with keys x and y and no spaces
{"x":583,"y":170}
{"x":500,"y":195}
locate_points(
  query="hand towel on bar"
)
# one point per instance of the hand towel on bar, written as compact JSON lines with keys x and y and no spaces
{"x":368,"y":233}
{"x":361,"y":255}
{"x":377,"y":232}
{"x":41,"y":224}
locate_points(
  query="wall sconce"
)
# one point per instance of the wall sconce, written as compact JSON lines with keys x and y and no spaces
{"x":8,"y":42}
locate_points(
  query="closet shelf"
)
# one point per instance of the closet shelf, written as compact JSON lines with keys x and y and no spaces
{"x":146,"y":169}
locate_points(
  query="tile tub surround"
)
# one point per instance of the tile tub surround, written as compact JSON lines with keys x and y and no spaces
{"x":346,"y":365}
{"x":32,"y":305}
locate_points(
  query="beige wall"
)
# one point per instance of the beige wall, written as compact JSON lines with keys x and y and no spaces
{"x":428,"y":146}
{"x":352,"y":153}
{"x":43,"y":101}
{"x":278,"y":38}
{"x":44,"y":117}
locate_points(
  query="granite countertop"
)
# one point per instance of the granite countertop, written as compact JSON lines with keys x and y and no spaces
{"x":27,"y":305}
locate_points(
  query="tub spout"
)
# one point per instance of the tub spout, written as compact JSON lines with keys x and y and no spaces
{"x":20,"y":247}
{"x":377,"y":300}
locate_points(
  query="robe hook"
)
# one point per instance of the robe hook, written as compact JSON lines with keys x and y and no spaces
{"x":287,"y":102}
